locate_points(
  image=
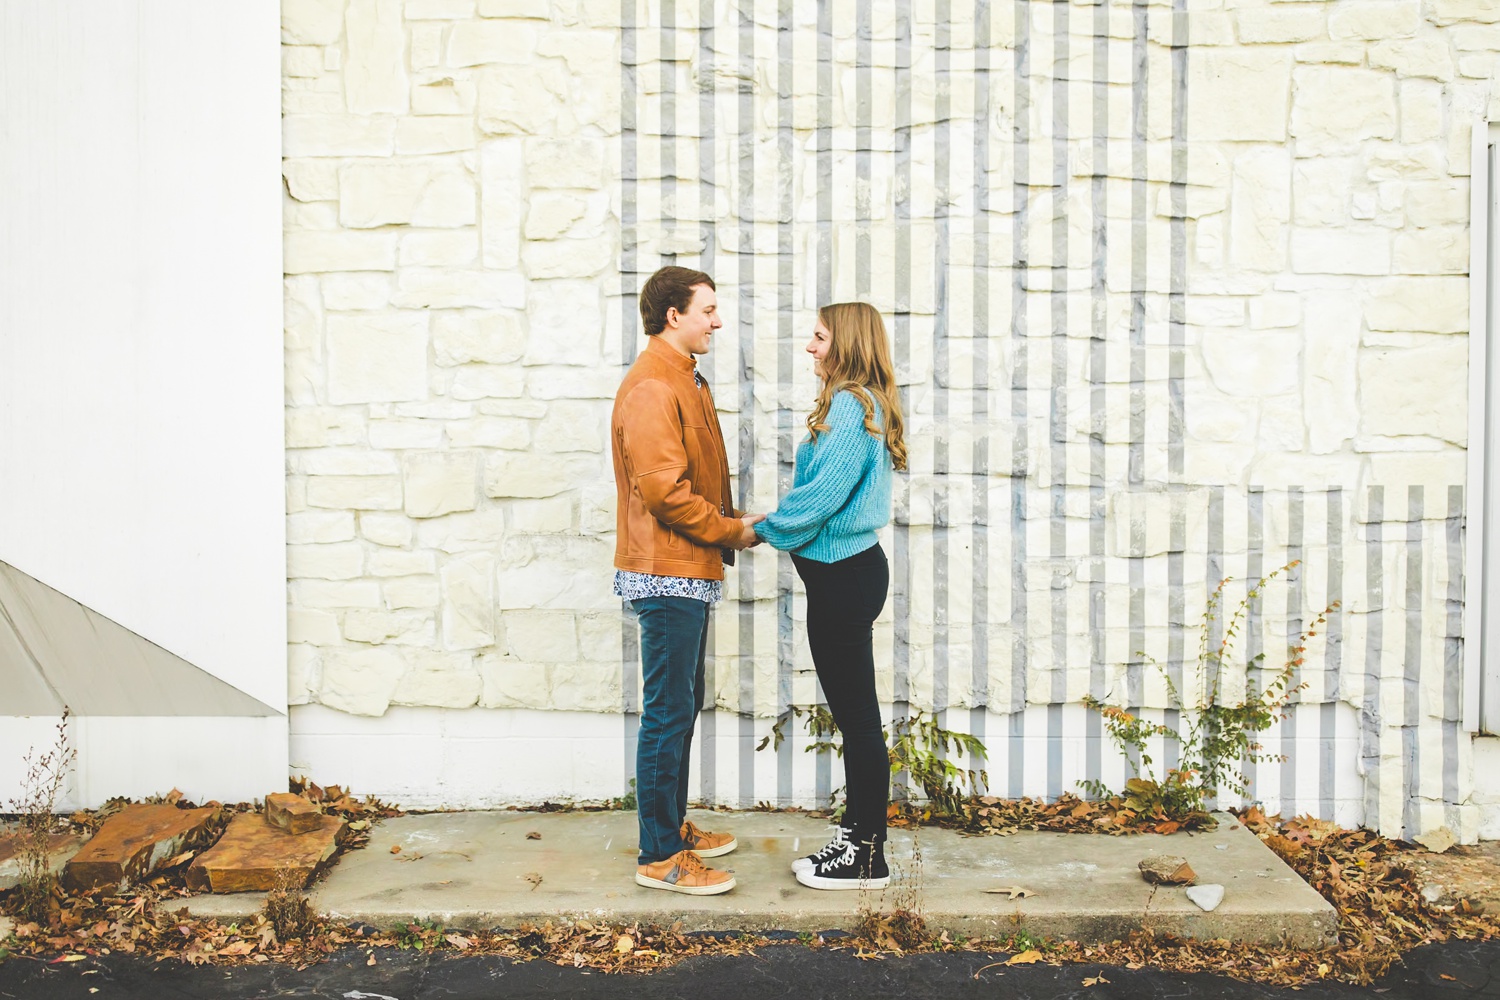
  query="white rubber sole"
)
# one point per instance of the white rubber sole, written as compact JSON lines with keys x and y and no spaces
{"x":807,"y":878}
{"x":691,"y":890}
{"x":717,"y":852}
{"x":802,"y":865}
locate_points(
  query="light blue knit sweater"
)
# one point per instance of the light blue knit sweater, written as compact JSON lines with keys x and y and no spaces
{"x":841,"y":492}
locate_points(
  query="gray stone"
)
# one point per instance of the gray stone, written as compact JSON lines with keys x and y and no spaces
{"x":1207,"y":897}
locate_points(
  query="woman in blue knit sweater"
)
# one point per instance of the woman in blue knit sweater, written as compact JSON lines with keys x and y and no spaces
{"x":840,"y":497}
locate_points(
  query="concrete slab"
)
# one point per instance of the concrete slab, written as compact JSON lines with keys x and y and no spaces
{"x":60,"y":850}
{"x":480,"y":870}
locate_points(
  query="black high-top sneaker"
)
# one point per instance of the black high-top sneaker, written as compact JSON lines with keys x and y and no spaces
{"x":860,"y":864}
{"x":835,"y":846}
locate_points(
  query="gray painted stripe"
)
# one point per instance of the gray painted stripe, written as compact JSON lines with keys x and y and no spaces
{"x":1176,"y":380}
{"x":786,"y":438}
{"x":942,"y":184}
{"x":1098,"y":392}
{"x":629,"y":330}
{"x":1453,"y":655}
{"x":1333,"y":649}
{"x":1255,"y":568}
{"x":1139,"y":97}
{"x":708,"y":754}
{"x":979,"y":667}
{"x":1411,"y":694}
{"x":745,"y":130}
{"x":1212,"y":575}
{"x":1369,"y":718}
{"x":1020,"y":157}
{"x":863,"y":57}
{"x":667,"y":138}
{"x":823,"y":236}
{"x":1057,"y":418}
{"x":1294,"y":604}
{"x":901,"y":572}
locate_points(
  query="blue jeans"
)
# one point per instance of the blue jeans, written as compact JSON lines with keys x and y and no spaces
{"x":674,"y":639}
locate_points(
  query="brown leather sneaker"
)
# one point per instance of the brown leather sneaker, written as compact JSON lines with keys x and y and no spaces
{"x":705,"y":844}
{"x":683,"y":872}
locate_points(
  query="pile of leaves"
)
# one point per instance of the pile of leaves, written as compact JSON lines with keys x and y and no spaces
{"x":1138,"y":810}
{"x":358,"y":814}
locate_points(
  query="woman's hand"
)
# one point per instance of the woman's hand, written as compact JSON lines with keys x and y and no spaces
{"x":748,"y":538}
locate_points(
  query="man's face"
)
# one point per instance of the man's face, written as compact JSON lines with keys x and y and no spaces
{"x":691,"y":331}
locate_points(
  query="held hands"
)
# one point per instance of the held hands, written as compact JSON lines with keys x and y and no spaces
{"x":748,"y":538}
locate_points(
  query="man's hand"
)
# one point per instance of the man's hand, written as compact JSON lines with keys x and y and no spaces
{"x":748,"y":538}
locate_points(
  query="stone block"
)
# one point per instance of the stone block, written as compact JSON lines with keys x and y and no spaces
{"x":511,"y":433}
{"x":425,"y":46}
{"x":1261,"y":207}
{"x":470,"y":531}
{"x":316,"y":627}
{"x":550,"y":215}
{"x":442,"y":680}
{"x":1421,"y":111}
{"x":386,"y":529}
{"x":436,"y":194}
{"x":312,"y":22}
{"x":378,"y":358}
{"x":444,"y":10}
{"x":440,"y":482}
{"x":501,"y":186}
{"x":509,"y":474}
{"x":337,"y":135}
{"x":549,"y":515}
{"x":1375,"y":19}
{"x":1439,"y":250}
{"x":387,"y":561}
{"x":1330,"y":383}
{"x":301,"y":671}
{"x":301,"y":62}
{"x":444,"y":248}
{"x":1411,"y":468}
{"x":434,"y":134}
{"x":1340,"y":251}
{"x":1260,"y":363}
{"x":472,"y":43}
{"x":541,"y":636}
{"x":510,"y":683}
{"x":362,"y":290}
{"x":469,"y":601}
{"x":512,"y":103}
{"x":291,"y":813}
{"x":532,"y":9}
{"x":322,"y":426}
{"x":1445,"y":12}
{"x":1420,"y":57}
{"x":1239,"y":94}
{"x":572,"y":426}
{"x":1273,"y":25}
{"x":487,"y":381}
{"x":1275,"y":310}
{"x":397,"y":628}
{"x":354,"y":492}
{"x":334,"y":594}
{"x":334,"y":561}
{"x":319,"y":526}
{"x":1322,"y":190}
{"x":375,"y":80}
{"x":132,"y":844}
{"x":572,"y":383}
{"x":307,"y":252}
{"x":553,"y":163}
{"x":1336,"y":108}
{"x":445,"y":95}
{"x":583,"y":258}
{"x":1419,"y":305}
{"x":1416,"y":390}
{"x":61,"y":847}
{"x":360,"y":681}
{"x":311,"y":179}
{"x":412,"y":592}
{"x":489,"y":337}
{"x":583,"y":51}
{"x":254,"y":856}
{"x":565,"y":323}
{"x":454,"y":288}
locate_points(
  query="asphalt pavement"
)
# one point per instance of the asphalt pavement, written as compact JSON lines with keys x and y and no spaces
{"x":1470,"y":969}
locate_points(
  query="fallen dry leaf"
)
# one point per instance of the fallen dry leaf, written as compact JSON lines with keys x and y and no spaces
{"x":624,"y":944}
{"x":1095,"y":980}
{"x":1012,"y":891}
{"x":395,"y":848}
{"x":535,"y":878}
{"x":533,"y":835}
{"x":1028,"y":957}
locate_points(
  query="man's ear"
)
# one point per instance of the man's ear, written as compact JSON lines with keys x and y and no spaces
{"x":673,"y":316}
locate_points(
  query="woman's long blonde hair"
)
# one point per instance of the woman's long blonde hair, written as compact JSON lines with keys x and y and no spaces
{"x":859,"y":360}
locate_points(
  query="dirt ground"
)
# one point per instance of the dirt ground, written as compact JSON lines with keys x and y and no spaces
{"x":1471,"y":873}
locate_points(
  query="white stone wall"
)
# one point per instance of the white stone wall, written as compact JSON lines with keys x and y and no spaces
{"x":1243,"y":306}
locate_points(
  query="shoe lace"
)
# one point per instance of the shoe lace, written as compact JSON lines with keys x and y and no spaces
{"x":690,"y":833}
{"x":690,"y":863}
{"x":847,"y":857}
{"x":834,"y":846}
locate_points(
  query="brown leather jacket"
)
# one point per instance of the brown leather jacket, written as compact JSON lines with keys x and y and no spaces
{"x":675,"y":515}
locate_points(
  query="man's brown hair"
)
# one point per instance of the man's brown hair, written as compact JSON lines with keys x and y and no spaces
{"x":669,"y":288}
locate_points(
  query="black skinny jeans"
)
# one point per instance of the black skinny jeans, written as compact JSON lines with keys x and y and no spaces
{"x":843,"y":600}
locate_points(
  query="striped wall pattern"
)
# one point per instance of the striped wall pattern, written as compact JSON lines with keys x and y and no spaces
{"x":1009,"y":185}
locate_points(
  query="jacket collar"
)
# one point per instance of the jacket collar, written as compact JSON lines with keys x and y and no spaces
{"x":667,"y":353}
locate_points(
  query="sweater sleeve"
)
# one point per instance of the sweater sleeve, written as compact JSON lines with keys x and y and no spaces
{"x":840,"y":459}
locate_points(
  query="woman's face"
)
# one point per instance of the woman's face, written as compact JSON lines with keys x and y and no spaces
{"x":818,"y":347}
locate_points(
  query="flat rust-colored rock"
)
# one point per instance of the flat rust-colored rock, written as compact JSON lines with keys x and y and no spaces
{"x":254,"y":855}
{"x":132,"y":843}
{"x":292,"y":813}
{"x":60,"y":847}
{"x":1167,"y":869}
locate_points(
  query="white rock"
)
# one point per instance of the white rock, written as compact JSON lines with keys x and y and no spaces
{"x":541,"y":636}
{"x":1330,"y":382}
{"x":375,"y":80}
{"x":1375,"y":19}
{"x":320,"y":628}
{"x":388,"y":561}
{"x":319,"y":526}
{"x":401,"y":434}
{"x":337,"y":135}
{"x":378,"y":358}
{"x":401,"y":628}
{"x":362,"y":290}
{"x":1437,"y":841}
{"x":469,"y":601}
{"x":470,"y":531}
{"x":419,"y":193}
{"x":1206,"y":897}
{"x":583,"y":258}
{"x":444,"y":248}
{"x":535,"y":9}
{"x":332,"y":561}
{"x":1449,"y":11}
{"x":551,"y":214}
{"x":434,"y":680}
{"x":491,"y":337}
{"x":510,"y":474}
{"x":512,"y":433}
{"x":333,"y":594}
{"x":510,"y":683}
{"x":583,"y":51}
{"x":501,"y":181}
{"x":487,"y":381}
{"x":426,"y":46}
{"x":385,"y":529}
{"x":445,"y":10}
{"x":1262,"y":25}
{"x":1418,"y":390}
{"x":1419,"y":305}
{"x":1256,"y":364}
{"x":434,"y":134}
{"x":312,"y":22}
{"x":1238,"y":94}
{"x":565,"y":163}
{"x":1439,"y":250}
{"x":513,"y":103}
{"x":586,"y":687}
{"x":310,"y":252}
{"x":451,"y":288}
{"x":471,"y":43}
{"x":301,"y":675}
{"x":354,"y":492}
{"x":446,"y":95}
{"x":360,"y":681}
{"x":1425,"y":57}
{"x":322,"y":426}
{"x":440,"y":482}
{"x":572,"y":426}
{"x":311,"y":179}
{"x":1340,"y":251}
{"x":1335,"y":108}
{"x":1261,"y":208}
{"x":412,"y":592}
{"x":549,"y":515}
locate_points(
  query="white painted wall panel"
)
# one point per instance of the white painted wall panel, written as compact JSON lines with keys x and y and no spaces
{"x":141,"y":467}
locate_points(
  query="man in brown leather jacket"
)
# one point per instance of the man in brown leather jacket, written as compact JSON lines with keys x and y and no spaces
{"x":676,"y":528}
